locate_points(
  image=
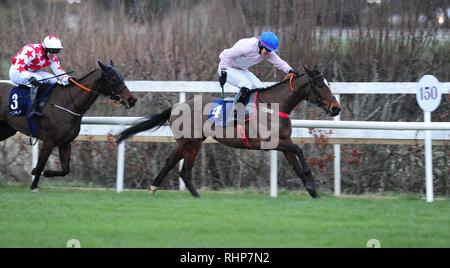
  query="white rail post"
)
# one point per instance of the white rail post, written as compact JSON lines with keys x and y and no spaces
{"x":428,"y":159}
{"x":181,"y":184}
{"x":120,"y":166}
{"x":34,"y":157}
{"x":337,"y":160}
{"x":428,"y":96}
{"x":273,"y":173}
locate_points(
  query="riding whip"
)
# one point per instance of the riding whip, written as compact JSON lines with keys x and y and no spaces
{"x":224,"y":105}
{"x":54,"y":76}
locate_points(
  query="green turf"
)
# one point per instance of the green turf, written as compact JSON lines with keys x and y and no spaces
{"x":172,"y":219}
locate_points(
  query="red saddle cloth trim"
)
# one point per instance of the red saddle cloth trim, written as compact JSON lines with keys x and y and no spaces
{"x":283,"y":115}
{"x":243,"y":136}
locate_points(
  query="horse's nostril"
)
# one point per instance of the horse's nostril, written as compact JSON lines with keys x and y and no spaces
{"x":132,"y":101}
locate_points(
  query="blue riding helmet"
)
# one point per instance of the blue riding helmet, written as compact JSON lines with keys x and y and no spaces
{"x":269,"y":41}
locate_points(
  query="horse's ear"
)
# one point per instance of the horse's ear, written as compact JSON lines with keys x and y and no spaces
{"x":103,"y":66}
{"x":308,"y":71}
{"x":111,"y":63}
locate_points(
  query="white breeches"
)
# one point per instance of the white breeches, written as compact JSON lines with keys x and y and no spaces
{"x":15,"y":77}
{"x":242,"y":78}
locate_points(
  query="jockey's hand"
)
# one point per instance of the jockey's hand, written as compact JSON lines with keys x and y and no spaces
{"x":33,"y":81}
{"x":294,"y":72}
{"x":65,"y":80}
{"x":223,"y":78}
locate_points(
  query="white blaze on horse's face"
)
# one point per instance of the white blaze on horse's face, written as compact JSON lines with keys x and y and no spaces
{"x":326,"y":83}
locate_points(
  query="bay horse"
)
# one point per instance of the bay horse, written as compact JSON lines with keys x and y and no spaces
{"x":61,"y":117}
{"x":310,"y":86}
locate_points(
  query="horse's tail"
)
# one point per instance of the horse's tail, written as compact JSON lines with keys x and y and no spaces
{"x":155,"y":122}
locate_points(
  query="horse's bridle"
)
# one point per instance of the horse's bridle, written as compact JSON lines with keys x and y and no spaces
{"x":114,"y":90}
{"x":320,"y":100}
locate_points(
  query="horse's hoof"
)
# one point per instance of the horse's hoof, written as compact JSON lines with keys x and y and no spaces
{"x":35,"y":190}
{"x":152,"y":190}
{"x":312,"y":192}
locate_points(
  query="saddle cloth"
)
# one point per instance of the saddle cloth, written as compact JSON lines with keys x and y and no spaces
{"x":19,"y":102}
{"x":222,"y":112}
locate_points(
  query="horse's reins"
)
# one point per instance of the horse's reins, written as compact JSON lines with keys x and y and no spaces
{"x":319,"y":103}
{"x":87,"y":89}
{"x":291,"y":77}
{"x":81,"y":86}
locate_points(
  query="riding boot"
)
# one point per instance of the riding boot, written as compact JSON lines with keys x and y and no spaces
{"x":34,"y":106}
{"x":242,"y":95}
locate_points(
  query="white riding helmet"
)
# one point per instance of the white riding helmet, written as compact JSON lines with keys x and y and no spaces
{"x":52,"y":41}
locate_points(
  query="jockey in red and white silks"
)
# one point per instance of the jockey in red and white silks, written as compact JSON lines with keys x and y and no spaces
{"x":33,"y":58}
{"x":28,"y":63}
{"x":235,"y":61}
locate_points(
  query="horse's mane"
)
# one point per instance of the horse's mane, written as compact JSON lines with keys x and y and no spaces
{"x":284,"y":81}
{"x":85,"y":76}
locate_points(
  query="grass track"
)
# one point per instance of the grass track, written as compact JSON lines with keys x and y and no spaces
{"x":173,"y":219}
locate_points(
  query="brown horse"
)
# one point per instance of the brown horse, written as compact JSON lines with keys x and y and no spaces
{"x":312,"y":87}
{"x":61,"y":116}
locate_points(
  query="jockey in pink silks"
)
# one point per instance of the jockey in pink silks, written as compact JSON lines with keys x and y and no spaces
{"x":235,"y":61}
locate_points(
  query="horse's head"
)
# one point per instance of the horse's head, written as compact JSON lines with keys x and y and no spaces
{"x":320,"y":93}
{"x":115,"y":86}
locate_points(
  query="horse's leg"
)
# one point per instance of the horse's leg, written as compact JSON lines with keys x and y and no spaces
{"x":301,"y":157}
{"x":188,"y":181}
{"x":190,"y":153}
{"x":64,"y":157}
{"x":171,"y":161}
{"x":291,"y":152}
{"x":6,"y":131}
{"x":44,"y":154}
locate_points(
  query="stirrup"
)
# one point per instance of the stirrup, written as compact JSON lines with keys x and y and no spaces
{"x":34,"y":113}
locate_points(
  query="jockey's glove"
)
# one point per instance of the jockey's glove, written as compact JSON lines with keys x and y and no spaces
{"x":294,"y":72}
{"x":223,"y":78}
{"x":65,"y":80}
{"x":33,"y":81}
